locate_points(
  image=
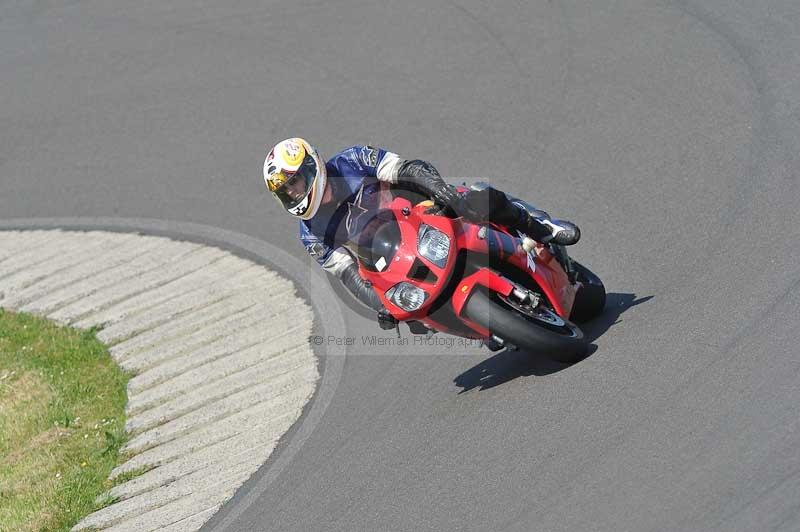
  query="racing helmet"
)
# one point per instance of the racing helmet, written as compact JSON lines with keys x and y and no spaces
{"x":296,"y":177}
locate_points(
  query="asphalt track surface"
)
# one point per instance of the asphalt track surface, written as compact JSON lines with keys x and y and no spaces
{"x":670,"y":131}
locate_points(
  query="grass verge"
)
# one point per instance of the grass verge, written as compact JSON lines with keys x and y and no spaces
{"x":62,"y":422}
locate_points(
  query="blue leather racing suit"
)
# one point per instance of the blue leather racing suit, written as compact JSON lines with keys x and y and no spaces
{"x":354,"y":175}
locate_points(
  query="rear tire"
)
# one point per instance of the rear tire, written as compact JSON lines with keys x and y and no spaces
{"x":566,"y":344}
{"x":591,"y":298}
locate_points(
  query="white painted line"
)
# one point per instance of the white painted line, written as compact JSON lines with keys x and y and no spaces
{"x":221,"y":345}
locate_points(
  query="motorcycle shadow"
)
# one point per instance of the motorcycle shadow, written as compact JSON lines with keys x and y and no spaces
{"x":506,"y":365}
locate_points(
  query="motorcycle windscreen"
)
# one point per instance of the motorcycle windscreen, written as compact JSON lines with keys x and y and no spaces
{"x":377,"y":241}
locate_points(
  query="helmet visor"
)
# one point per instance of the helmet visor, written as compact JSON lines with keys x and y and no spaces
{"x":297,"y":186}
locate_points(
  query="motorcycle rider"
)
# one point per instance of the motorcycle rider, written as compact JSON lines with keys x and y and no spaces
{"x":333,"y":201}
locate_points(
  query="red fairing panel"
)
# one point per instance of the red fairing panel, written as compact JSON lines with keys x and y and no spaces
{"x":484,"y":277}
{"x":541,"y":265}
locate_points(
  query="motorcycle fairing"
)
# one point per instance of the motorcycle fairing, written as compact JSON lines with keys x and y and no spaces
{"x":542,"y":267}
{"x":492,"y":242}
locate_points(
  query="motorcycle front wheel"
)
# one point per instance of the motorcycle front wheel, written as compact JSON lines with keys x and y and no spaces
{"x":539,"y":331}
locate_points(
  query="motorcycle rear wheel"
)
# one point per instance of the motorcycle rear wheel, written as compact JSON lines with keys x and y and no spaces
{"x":564,"y":344}
{"x":591,"y":297}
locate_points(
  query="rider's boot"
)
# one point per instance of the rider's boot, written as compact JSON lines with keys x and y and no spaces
{"x":562,"y":232}
{"x":519,"y":215}
{"x":538,"y":225}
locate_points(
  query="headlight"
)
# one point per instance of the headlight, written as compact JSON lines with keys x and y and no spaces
{"x":433,"y":245}
{"x":406,"y":296}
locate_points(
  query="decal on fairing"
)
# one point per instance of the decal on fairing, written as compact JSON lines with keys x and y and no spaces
{"x":531,"y":261}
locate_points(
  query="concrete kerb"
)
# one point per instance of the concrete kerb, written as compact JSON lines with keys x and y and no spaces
{"x":328,"y":318}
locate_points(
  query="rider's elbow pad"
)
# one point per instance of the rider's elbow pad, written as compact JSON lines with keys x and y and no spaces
{"x":338,"y":260}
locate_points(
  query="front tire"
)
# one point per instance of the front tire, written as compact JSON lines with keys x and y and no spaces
{"x":565,"y":343}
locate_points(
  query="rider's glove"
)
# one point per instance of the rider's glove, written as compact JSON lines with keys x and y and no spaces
{"x":386,"y":320}
{"x":447,"y":196}
{"x":425,"y":179}
{"x":449,"y":201}
{"x":460,"y":204}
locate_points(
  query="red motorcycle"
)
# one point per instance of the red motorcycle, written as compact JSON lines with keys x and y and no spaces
{"x":439,"y":273}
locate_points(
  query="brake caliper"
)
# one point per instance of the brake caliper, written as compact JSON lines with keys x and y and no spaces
{"x":525,"y":297}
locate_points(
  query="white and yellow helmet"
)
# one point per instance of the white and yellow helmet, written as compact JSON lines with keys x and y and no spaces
{"x":296,"y":177}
